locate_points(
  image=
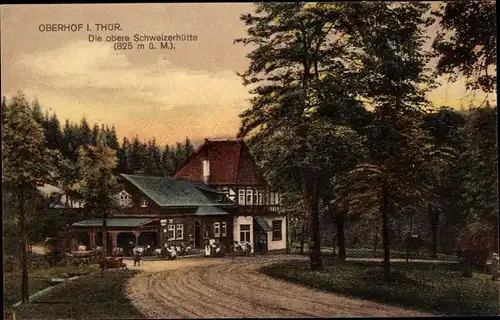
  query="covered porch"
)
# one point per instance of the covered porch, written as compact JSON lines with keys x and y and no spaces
{"x":261,"y":230}
{"x":122,"y":234}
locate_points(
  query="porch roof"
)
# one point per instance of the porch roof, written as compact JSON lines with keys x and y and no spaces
{"x":210,"y":211}
{"x":262,"y":224}
{"x":115,"y":222}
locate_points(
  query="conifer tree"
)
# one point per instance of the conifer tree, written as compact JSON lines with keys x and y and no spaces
{"x":167,"y":162}
{"x":26,"y":163}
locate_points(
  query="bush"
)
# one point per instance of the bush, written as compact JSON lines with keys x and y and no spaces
{"x":10,"y":263}
{"x":477,"y":243}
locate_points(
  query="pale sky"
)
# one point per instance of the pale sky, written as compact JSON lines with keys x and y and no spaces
{"x":169,"y":94}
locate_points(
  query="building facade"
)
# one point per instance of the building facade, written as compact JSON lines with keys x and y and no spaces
{"x":218,"y":193}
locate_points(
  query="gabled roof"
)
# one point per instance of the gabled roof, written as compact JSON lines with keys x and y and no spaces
{"x":172,"y":192}
{"x":228,"y":158}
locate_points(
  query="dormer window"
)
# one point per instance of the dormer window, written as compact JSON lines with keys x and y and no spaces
{"x":144,"y":203}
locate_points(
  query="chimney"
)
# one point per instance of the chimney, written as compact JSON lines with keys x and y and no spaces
{"x":206,"y":171}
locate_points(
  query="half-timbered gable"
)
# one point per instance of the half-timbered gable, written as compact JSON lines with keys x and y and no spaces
{"x":228,"y":166}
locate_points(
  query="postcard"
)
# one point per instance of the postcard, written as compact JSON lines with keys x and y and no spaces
{"x":211,"y":160}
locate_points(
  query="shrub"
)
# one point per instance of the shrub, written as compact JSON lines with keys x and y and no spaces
{"x":10,"y":263}
{"x":477,"y":243}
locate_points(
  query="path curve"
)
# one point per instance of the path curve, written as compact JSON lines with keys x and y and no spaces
{"x":233,"y":287}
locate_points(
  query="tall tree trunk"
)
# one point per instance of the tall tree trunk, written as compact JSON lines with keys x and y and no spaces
{"x":334,"y":245}
{"x":340,"y":223}
{"x":384,"y":210}
{"x":288,"y":237}
{"x":104,"y":239}
{"x":302,"y":240}
{"x":24,"y":257}
{"x":310,"y":197}
{"x":375,"y":241}
{"x":434,"y":220}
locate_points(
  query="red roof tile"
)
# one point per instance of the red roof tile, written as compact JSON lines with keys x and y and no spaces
{"x":230,"y":163}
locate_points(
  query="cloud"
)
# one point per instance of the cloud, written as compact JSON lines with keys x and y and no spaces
{"x":88,"y":65}
{"x":155,"y":98}
{"x":75,"y":59}
{"x":103,"y":84}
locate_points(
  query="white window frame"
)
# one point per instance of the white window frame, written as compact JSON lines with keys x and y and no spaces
{"x":179,"y":227}
{"x":223,"y":229}
{"x":249,"y":193}
{"x":271,"y":195}
{"x":259,"y":197}
{"x":216,"y":229}
{"x":241,"y":196}
{"x":124,"y":199}
{"x":124,"y":195}
{"x":171,"y":228}
{"x":144,"y":203}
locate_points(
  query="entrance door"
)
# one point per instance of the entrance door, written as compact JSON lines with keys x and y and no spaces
{"x":261,"y":242}
{"x":198,"y":234}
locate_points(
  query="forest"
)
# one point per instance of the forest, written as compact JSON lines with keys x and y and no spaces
{"x":342,"y":123}
{"x":63,"y":158}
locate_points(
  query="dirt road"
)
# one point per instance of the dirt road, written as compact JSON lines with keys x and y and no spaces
{"x":233,"y":287}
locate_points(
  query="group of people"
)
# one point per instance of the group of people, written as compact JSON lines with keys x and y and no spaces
{"x":214,"y":248}
{"x":170,"y":252}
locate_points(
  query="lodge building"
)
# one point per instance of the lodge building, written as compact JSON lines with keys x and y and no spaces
{"x":218,"y":193}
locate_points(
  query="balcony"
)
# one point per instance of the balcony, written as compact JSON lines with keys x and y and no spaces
{"x":259,"y":209}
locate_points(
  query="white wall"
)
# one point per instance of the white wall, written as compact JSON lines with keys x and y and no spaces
{"x":276,"y":245}
{"x":237,"y":221}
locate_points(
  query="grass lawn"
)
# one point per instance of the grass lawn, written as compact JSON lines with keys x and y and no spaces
{"x":93,"y":296}
{"x":38,"y":279}
{"x":369,"y":253}
{"x":433,"y":288}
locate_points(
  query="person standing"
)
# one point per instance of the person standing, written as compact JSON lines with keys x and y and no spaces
{"x":137,"y":257}
{"x":495,"y":267}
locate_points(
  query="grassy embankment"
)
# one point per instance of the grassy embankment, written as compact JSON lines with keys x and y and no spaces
{"x":429,"y":287}
{"x":92,"y":296}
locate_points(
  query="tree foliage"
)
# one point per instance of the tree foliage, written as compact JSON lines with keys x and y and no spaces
{"x":466,"y":42}
{"x":97,"y":183}
{"x":24,"y":165}
{"x":303,"y":90}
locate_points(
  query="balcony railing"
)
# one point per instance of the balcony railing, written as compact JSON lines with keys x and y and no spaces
{"x":259,"y":209}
